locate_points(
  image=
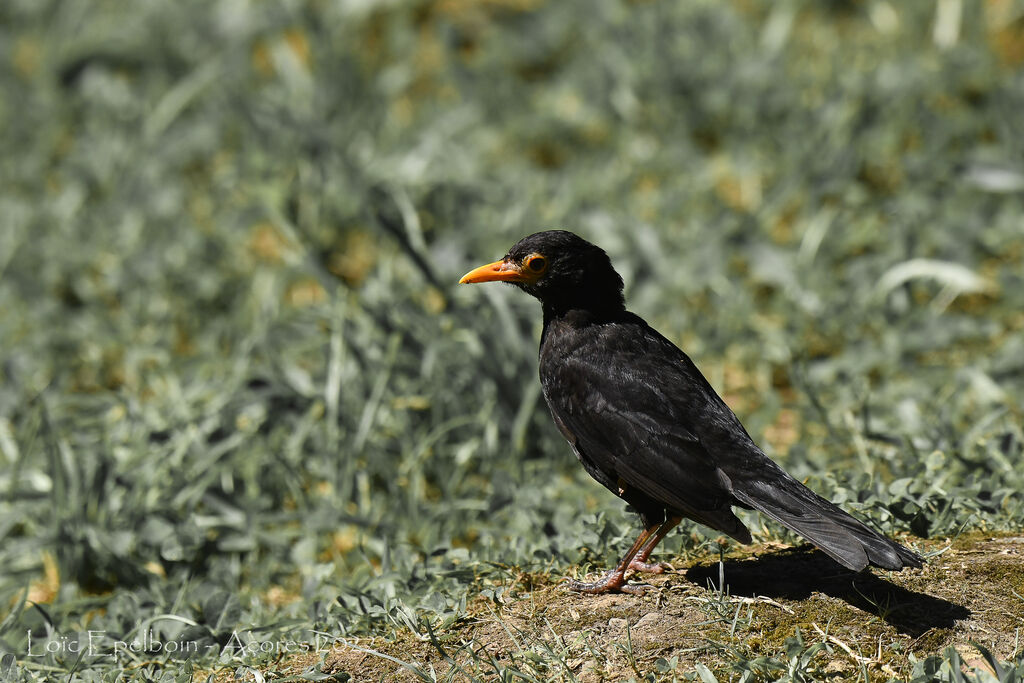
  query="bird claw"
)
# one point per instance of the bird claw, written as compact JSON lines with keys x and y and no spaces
{"x":612,"y":582}
{"x":650,"y":567}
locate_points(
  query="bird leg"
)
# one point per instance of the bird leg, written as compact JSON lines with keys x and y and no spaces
{"x":615,"y":580}
{"x":639,"y":562}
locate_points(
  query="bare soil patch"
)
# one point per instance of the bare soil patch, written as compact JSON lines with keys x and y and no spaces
{"x":969,"y":593}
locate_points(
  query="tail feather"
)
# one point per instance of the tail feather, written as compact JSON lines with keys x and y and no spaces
{"x":843,"y":538}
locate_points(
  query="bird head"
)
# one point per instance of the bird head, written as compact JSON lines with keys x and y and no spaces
{"x":558,"y":267}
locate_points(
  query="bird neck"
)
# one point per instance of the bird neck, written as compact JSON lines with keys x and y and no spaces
{"x":588,"y":310}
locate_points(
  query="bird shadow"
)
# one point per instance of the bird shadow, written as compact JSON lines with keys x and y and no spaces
{"x":796,"y":574}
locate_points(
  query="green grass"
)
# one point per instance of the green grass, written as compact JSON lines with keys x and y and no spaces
{"x":241,"y":394}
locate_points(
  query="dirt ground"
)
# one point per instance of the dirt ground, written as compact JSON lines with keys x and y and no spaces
{"x":971,"y":592}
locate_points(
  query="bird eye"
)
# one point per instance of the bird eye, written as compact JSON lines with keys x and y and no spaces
{"x":536,"y":263}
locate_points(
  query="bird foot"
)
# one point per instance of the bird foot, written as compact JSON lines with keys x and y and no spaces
{"x":650,"y":567}
{"x":612,"y":582}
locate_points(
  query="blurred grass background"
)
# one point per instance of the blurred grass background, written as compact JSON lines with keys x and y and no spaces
{"x":238,"y":384}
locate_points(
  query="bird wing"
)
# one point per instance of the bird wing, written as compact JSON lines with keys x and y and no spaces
{"x":631,"y":402}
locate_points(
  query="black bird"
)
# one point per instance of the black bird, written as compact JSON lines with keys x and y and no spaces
{"x":647,"y":425}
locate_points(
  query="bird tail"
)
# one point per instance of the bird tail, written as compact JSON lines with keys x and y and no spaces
{"x":840,"y":536}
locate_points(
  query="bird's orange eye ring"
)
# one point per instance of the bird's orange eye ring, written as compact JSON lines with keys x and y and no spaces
{"x":535,"y":263}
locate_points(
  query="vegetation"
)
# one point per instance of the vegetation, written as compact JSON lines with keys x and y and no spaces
{"x":244,"y":408}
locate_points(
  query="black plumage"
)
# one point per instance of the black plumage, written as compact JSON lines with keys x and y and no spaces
{"x":646,"y":424}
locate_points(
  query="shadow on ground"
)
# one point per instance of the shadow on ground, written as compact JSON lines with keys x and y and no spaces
{"x":796,"y":574}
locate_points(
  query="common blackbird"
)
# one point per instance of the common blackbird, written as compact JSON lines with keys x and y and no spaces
{"x":646,"y":424}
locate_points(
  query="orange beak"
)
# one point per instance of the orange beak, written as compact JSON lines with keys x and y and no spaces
{"x":499,"y":271}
